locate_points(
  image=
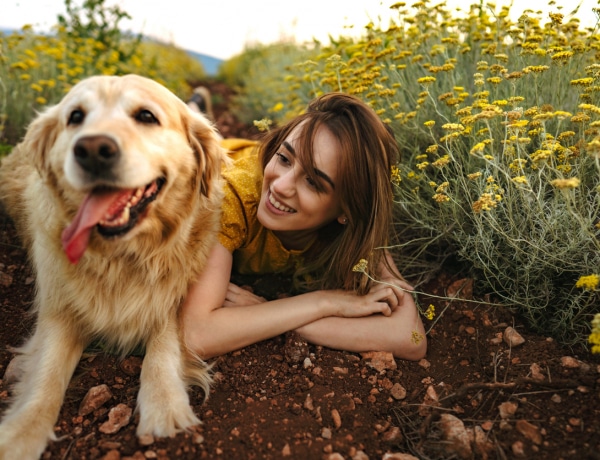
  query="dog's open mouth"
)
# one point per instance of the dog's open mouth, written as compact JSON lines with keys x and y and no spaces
{"x":113,"y":212}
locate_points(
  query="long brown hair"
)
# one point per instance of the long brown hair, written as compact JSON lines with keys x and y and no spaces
{"x":367,"y":152}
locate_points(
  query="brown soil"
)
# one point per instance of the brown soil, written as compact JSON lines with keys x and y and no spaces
{"x":270,"y":402}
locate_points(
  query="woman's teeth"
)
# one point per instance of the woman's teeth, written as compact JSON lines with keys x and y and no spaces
{"x":278,"y":205}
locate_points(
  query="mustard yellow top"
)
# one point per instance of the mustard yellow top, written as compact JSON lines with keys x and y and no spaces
{"x":256,"y":250}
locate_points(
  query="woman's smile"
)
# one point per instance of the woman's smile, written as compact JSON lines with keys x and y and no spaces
{"x":277,"y":205}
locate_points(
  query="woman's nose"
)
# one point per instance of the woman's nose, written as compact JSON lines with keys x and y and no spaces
{"x":285,"y":184}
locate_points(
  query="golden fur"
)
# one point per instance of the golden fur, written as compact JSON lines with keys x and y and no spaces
{"x":124,"y":289}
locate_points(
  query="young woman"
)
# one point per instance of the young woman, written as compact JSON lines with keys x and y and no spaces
{"x":312,"y":199}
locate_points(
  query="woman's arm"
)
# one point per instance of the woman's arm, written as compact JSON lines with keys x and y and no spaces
{"x":210,"y":329}
{"x":401,"y":333}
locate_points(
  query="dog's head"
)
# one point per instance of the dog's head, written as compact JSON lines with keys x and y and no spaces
{"x":114,"y":149}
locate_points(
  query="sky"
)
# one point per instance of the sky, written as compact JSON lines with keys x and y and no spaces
{"x":223,"y":28}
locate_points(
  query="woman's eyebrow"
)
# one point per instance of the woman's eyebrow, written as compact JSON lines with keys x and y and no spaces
{"x":318,"y":172}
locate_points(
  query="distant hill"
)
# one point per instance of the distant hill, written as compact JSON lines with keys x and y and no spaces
{"x":211,"y":64}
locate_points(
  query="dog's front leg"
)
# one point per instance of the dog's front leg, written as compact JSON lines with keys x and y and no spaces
{"x":48,"y":361}
{"x":163,"y":401}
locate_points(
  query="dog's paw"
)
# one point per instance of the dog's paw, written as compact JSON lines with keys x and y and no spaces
{"x":165,"y":420}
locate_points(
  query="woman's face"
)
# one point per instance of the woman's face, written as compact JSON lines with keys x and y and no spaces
{"x":290,"y":204}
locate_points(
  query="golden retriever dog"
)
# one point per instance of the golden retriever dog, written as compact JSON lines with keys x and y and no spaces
{"x":116,"y":193}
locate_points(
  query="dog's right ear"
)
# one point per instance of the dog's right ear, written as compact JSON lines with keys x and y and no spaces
{"x":40,"y":137}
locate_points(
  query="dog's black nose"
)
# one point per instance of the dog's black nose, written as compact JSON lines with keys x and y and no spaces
{"x":96,"y":154}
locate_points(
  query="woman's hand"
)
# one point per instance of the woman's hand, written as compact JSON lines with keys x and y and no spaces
{"x":240,"y":297}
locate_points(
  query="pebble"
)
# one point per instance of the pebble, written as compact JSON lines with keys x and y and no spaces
{"x":507,"y":409}
{"x":95,"y":398}
{"x":512,"y":338}
{"x":569,"y":362}
{"x":530,"y":431}
{"x":118,"y":417}
{"x":337,"y":419}
{"x":398,"y":456}
{"x":398,"y":391}
{"x":456,"y":436}
{"x":518,"y":449}
{"x":380,"y":360}
{"x":146,"y":440}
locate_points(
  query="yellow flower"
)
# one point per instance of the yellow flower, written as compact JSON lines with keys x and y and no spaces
{"x":474,"y":175}
{"x":277,"y":107}
{"x":430,"y":313}
{"x":572,"y":182}
{"x":589,"y":282}
{"x":361,"y":266}
{"x":263,"y":125}
{"x":520,"y":180}
{"x":429,"y":123}
{"x":594,"y":338}
{"x":395,"y":175}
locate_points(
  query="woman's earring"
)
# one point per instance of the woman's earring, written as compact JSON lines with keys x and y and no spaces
{"x":343,"y":220}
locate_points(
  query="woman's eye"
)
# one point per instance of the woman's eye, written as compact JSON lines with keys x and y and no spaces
{"x":282,"y":158}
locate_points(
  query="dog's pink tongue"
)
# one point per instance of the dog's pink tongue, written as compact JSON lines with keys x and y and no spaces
{"x":95,"y":206}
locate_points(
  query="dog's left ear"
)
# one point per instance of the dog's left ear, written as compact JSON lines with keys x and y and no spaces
{"x":40,"y":137}
{"x":206,"y":143}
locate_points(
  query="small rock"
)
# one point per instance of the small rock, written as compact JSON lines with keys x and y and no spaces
{"x":454,"y":432}
{"x":360,"y":455}
{"x":380,"y":360}
{"x":481,"y":443}
{"x":530,"y":431}
{"x":95,"y":398}
{"x":307,"y":363}
{"x":326,"y":433}
{"x":507,"y":409}
{"x":397,"y":456}
{"x":112,"y":455}
{"x":518,"y":449}
{"x":556,"y":398}
{"x":337,"y":419}
{"x":146,"y":440}
{"x":286,"y":451}
{"x":462,"y":288}
{"x":536,"y":372}
{"x":394,"y":434}
{"x":335,"y":456}
{"x":512,"y":337}
{"x":570,"y":362}
{"x":118,"y":417}
{"x":424,"y":363}
{"x":398,"y":391}
{"x":308,"y":402}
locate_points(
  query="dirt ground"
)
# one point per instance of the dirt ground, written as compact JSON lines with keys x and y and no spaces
{"x":476,"y":395}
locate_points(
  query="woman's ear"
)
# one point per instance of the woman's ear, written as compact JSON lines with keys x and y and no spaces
{"x":342,"y":220}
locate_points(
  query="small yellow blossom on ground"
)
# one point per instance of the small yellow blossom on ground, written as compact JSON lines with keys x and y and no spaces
{"x":589,"y":282}
{"x":430,"y":312}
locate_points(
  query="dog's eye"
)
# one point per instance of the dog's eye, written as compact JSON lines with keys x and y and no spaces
{"x":145,"y":116}
{"x":76,"y":117}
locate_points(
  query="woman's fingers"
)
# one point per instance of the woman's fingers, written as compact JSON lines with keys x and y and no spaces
{"x":239,"y":297}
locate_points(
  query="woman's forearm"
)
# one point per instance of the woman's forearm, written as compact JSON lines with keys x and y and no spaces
{"x":227,"y":329}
